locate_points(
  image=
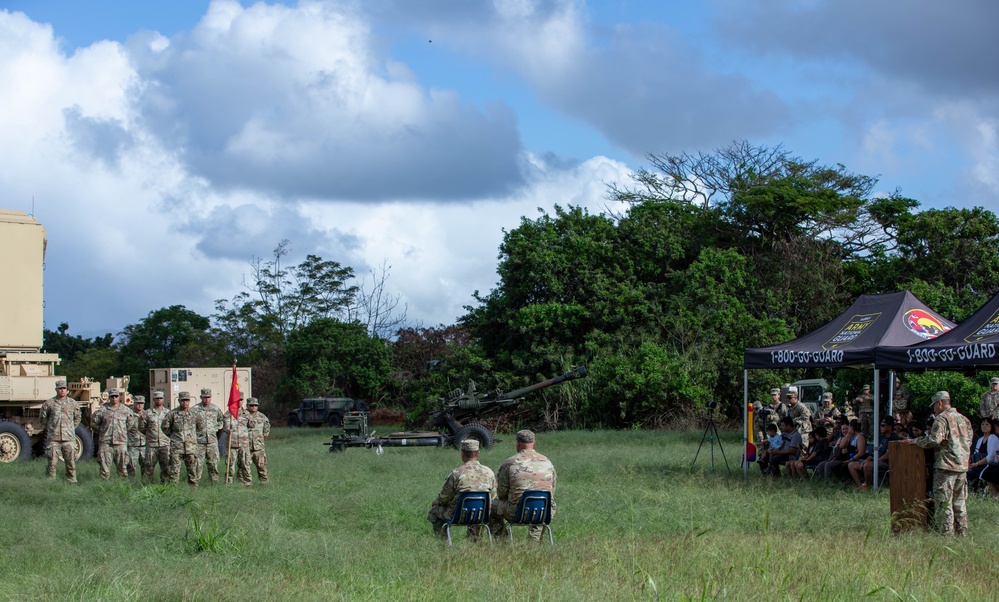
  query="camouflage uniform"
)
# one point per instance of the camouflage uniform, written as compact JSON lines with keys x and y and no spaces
{"x":239,"y":447}
{"x":157,"y":443}
{"x":802,"y":417}
{"x":61,"y":417}
{"x":115,"y":426}
{"x":865,"y":403}
{"x":951,"y":438}
{"x":259,"y":428}
{"x":990,"y":404}
{"x":470,"y":476}
{"x":208,"y":442}
{"x":182,"y":426}
{"x":522,"y":472}
{"x":137,"y":441}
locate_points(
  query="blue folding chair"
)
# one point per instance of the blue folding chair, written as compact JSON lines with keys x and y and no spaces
{"x":534,"y":509}
{"x":471,"y":509}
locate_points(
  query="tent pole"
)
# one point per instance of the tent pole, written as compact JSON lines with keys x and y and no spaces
{"x":891,"y":392}
{"x":876,"y":426}
{"x":745,"y":423}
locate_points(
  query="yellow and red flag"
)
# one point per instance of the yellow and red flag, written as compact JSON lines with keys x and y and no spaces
{"x":234,"y":394}
{"x":750,"y":446}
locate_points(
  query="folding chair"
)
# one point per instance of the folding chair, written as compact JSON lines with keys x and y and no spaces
{"x":471,"y":509}
{"x":534,"y":509}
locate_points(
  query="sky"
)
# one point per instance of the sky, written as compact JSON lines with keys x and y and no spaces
{"x":164,"y":145}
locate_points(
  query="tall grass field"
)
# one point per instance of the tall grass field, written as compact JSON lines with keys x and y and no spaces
{"x":634,"y":522}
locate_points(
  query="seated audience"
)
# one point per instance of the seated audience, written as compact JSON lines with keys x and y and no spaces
{"x":862,"y":471}
{"x":773,"y":441}
{"x":816,"y":451}
{"x":789,"y":449}
{"x":851,"y":443}
{"x":983,"y":454}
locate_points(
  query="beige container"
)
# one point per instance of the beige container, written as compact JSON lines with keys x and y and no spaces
{"x":22,"y":257}
{"x":176,"y":380}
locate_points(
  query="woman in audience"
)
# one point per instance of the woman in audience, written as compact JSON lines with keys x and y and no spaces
{"x":983,"y":451}
{"x":817,"y":451}
{"x":841,"y":453}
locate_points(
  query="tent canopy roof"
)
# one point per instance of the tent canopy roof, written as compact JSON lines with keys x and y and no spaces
{"x":890,"y":319}
{"x":974,"y":343}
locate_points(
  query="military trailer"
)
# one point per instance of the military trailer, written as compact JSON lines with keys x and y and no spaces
{"x":320,"y":411}
{"x":27,"y":375}
{"x":172,"y":381}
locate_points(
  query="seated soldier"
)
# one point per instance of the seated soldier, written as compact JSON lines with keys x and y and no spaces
{"x":470,"y":476}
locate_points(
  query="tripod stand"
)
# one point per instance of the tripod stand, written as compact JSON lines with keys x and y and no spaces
{"x":711,"y":433}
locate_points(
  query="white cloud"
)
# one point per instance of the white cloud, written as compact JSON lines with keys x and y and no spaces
{"x":108,"y":142}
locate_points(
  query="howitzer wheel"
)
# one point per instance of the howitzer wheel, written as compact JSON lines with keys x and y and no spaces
{"x":474,"y":431}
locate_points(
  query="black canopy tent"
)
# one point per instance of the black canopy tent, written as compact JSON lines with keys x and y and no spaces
{"x":972,"y":344}
{"x":850,"y":340}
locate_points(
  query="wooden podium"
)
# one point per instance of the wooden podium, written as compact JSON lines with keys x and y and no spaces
{"x":909,"y":505}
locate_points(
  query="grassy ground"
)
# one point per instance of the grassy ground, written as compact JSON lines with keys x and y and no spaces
{"x":633,"y":523}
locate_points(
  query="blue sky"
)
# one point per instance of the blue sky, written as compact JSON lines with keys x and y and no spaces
{"x":166,"y":144}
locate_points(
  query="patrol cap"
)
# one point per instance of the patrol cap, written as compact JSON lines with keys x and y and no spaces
{"x":525,"y":436}
{"x":994,"y":380}
{"x":157,"y":394}
{"x":775,"y":391}
{"x":138,"y":399}
{"x":113,"y":391}
{"x":792,"y":391}
{"x":206,"y":392}
{"x":252,"y":402}
{"x":827,"y":397}
{"x":940,"y":395}
{"x":183,"y":395}
{"x":61,"y":384}
{"x":867,"y":387}
{"x":469,"y":445}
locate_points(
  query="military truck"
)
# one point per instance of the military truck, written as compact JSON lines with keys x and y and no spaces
{"x":810,"y":392}
{"x":319,"y":411}
{"x":28,"y":376}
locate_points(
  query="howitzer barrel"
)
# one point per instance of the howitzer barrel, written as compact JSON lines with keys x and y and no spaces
{"x":577,"y":372}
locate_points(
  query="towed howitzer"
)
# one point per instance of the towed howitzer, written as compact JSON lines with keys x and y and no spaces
{"x":453,"y":420}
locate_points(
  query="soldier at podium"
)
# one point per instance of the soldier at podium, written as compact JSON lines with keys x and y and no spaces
{"x":950,"y":438}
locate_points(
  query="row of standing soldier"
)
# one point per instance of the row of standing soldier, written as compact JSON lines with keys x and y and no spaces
{"x":136,"y":440}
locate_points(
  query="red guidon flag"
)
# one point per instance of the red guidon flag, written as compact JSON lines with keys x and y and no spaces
{"x":234,"y":394}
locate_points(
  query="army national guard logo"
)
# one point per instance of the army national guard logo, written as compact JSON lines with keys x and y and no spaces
{"x":986,"y":331}
{"x":924,"y":324}
{"x":857,"y":325}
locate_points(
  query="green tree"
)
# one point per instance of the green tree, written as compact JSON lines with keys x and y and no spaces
{"x":157,"y":341}
{"x":67,"y":346}
{"x":332,"y":358}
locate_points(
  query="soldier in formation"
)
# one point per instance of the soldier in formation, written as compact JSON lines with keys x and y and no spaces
{"x":526,"y":470}
{"x":259,"y":428}
{"x":137,"y":439}
{"x":239,"y":446}
{"x":208,"y":442}
{"x":950,"y":437}
{"x":114,"y":424}
{"x":61,"y":415}
{"x":470,"y":476}
{"x":990,"y":401}
{"x":182,"y":425}
{"x":157,"y":442}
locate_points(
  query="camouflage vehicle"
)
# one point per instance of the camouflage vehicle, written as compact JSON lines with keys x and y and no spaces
{"x":455,"y":419}
{"x":319,"y":411}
